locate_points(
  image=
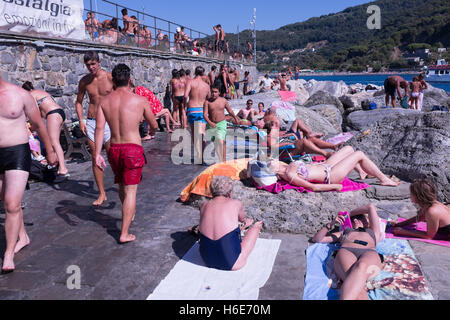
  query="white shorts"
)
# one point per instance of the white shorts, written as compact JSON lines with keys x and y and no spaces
{"x":91,"y":124}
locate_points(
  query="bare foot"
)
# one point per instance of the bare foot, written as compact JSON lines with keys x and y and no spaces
{"x":258,"y":225}
{"x":101,"y":198}
{"x":22,"y":243}
{"x":390,"y":183}
{"x":127,"y":238}
{"x":8,"y":263}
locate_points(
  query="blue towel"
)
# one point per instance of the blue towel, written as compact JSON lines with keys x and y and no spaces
{"x":389,"y":285}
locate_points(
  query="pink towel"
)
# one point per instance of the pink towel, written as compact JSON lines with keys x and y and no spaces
{"x":440,"y":240}
{"x":288,"y":96}
{"x":343,"y":137}
{"x":282,"y":185}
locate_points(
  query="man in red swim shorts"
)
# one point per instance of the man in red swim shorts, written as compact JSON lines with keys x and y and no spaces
{"x":123,"y":111}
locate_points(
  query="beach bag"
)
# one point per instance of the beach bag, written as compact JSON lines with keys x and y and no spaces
{"x":42,"y":173}
{"x":404,"y":103}
{"x":440,"y":108}
{"x":260,"y":173}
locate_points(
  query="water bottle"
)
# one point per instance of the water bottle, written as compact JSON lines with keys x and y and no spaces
{"x":347,"y":220}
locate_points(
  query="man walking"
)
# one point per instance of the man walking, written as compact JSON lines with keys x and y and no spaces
{"x":123,"y":111}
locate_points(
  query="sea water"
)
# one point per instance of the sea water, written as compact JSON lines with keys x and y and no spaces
{"x":369,"y":79}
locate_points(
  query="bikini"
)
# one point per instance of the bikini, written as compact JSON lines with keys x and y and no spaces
{"x":223,"y":253}
{"x":58,"y":111}
{"x":358,"y":252}
{"x":444,"y":230}
{"x":302,"y":170}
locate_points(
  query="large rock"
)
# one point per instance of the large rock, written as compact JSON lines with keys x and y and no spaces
{"x":323,"y":97}
{"x":331,"y":113}
{"x":304,"y":213}
{"x":362,"y":120}
{"x":316,"y":122}
{"x":336,"y":89}
{"x":298,"y":87}
{"x":411,"y":145}
{"x":434,"y":97}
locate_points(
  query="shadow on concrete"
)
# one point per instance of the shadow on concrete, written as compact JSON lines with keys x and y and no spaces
{"x":68,"y":208}
{"x":184,"y":241}
{"x":79,"y":188}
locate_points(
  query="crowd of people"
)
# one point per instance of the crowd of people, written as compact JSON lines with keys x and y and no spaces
{"x":117,"y":109}
{"x":135,"y":33}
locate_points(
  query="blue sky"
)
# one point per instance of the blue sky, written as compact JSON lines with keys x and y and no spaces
{"x":201,"y":15}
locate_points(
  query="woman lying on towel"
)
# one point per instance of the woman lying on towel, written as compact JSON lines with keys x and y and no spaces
{"x":221,"y":246}
{"x":434,"y":213}
{"x":331,"y":173}
{"x":357,"y":261}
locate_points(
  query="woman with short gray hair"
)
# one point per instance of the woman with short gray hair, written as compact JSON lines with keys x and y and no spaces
{"x":221,"y":246}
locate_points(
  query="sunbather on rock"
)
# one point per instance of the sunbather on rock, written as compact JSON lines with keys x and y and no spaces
{"x":331,"y":173}
{"x":221,"y":246}
{"x":357,"y":261}
{"x":275,"y":140}
{"x":433,"y":212}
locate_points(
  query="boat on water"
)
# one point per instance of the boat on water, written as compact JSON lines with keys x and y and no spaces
{"x":439,"y":72}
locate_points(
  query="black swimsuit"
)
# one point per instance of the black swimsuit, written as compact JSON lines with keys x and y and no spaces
{"x":444,"y":230}
{"x":15,"y":158}
{"x":58,"y":111}
{"x":358,"y":252}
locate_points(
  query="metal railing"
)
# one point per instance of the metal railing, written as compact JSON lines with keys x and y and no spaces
{"x":159,"y":34}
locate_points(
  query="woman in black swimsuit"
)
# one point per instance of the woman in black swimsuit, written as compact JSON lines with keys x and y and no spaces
{"x":357,"y":261}
{"x":55,"y":118}
{"x":434,"y":213}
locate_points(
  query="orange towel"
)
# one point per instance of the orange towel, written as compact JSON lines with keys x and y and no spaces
{"x":235,"y":169}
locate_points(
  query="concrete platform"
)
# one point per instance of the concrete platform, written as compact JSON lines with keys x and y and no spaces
{"x":65,"y":230}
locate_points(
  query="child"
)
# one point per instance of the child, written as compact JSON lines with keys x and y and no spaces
{"x":416,"y":86}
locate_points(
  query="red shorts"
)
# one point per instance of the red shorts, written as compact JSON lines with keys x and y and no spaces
{"x":127,"y":162}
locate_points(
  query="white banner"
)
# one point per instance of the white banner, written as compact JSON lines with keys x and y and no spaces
{"x":53,"y":18}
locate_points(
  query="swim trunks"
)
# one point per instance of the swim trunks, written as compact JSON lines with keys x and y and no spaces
{"x":91,"y":124}
{"x":389,"y":89}
{"x":15,"y":158}
{"x":236,"y":86}
{"x":221,"y":45}
{"x":219,"y":132}
{"x":223,"y":253}
{"x":195,"y":115}
{"x":58,"y":111}
{"x":127,"y":162}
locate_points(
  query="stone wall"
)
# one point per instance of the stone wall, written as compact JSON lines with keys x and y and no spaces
{"x":57,"y":66}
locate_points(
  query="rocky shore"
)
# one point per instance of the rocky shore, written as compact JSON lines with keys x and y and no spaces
{"x":406,"y":143}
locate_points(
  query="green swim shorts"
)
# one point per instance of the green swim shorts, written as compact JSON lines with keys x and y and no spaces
{"x":219,"y":132}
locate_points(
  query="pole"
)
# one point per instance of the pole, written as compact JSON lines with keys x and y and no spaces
{"x":254,"y":34}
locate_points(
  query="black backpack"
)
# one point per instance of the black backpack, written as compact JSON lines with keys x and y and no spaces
{"x":42,"y":173}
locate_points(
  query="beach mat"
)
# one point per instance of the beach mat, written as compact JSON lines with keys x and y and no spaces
{"x":439,"y":240}
{"x":400,"y":279}
{"x":288,"y":96}
{"x":191,"y":280}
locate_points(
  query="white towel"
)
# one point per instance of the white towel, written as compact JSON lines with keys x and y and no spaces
{"x":191,"y":280}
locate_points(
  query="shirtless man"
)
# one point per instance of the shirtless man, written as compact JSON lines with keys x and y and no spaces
{"x":245,"y":113}
{"x":15,"y":162}
{"x":212,"y":75}
{"x":128,"y":26}
{"x":220,"y":40}
{"x":393,"y":85}
{"x":237,"y":76}
{"x":123,"y":111}
{"x":197,"y":91}
{"x":256,"y":116}
{"x":92,"y":25}
{"x":214,"y":114}
{"x":98,"y":83}
{"x":283,"y":83}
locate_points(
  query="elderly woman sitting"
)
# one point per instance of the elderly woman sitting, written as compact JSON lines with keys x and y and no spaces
{"x":220,"y":235}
